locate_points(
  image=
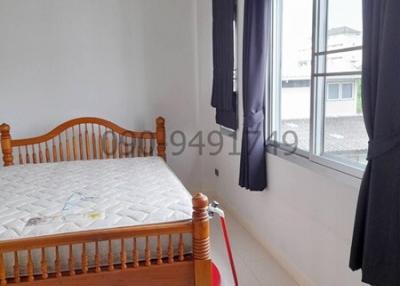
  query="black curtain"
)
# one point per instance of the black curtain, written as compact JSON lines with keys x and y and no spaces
{"x":253,"y":174}
{"x":224,"y":99}
{"x":376,"y":239}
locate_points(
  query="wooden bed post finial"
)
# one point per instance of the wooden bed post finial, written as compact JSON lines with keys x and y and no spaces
{"x":201,"y":241}
{"x":6,"y":147}
{"x":160,"y":130}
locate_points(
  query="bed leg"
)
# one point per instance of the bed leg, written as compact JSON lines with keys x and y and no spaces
{"x":201,"y":241}
{"x":160,"y":137}
{"x":6,"y":145}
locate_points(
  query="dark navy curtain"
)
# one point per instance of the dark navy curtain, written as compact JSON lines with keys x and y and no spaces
{"x":224,"y":98}
{"x":253,"y":174}
{"x":376,"y":239}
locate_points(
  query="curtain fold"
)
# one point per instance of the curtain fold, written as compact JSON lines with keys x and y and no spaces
{"x":224,"y":98}
{"x":253,"y":175}
{"x":376,"y":239}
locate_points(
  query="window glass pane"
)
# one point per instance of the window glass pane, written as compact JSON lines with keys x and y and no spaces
{"x":345,"y":137}
{"x":344,"y":62}
{"x":344,"y":24}
{"x":296,"y":70}
{"x":347,"y":91}
{"x":333,"y":91}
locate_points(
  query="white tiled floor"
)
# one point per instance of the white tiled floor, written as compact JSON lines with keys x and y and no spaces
{"x":254,"y":264}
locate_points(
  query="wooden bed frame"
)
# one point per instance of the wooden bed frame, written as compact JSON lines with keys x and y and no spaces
{"x":79,"y":139}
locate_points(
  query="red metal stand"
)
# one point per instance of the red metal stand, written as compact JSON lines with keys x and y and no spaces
{"x":229,"y":250}
{"x":216,"y":276}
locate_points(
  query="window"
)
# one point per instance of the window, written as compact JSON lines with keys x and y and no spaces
{"x":340,"y":91}
{"x":347,"y":91}
{"x":316,"y":81}
{"x":292,"y":71}
{"x":333,"y":91}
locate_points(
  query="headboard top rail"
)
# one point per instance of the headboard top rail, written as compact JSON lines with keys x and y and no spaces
{"x":84,"y":143}
{"x":81,"y":121}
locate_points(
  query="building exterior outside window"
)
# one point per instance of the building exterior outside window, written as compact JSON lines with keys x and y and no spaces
{"x":335,"y":126}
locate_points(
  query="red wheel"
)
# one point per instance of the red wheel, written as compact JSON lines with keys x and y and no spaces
{"x":216,"y":276}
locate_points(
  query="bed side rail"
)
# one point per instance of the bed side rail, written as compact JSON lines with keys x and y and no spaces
{"x":40,"y":259}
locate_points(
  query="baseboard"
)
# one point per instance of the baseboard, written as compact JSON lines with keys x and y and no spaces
{"x":291,"y":269}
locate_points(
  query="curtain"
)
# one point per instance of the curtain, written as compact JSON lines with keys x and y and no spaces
{"x":376,"y":238}
{"x":253,"y":174}
{"x":224,"y":99}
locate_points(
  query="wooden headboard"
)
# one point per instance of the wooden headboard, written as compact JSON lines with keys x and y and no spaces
{"x":83,"y":138}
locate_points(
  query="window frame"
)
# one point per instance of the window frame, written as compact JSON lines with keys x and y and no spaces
{"x":317,"y":104}
{"x":352,"y":90}
{"x":340,"y":91}
{"x":329,"y":91}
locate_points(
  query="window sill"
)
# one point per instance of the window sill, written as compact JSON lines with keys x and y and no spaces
{"x":349,"y":180}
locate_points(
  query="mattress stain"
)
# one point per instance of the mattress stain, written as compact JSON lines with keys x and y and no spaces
{"x":71,"y":211}
{"x":95,"y":215}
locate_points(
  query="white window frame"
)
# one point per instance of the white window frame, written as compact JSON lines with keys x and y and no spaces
{"x":317,"y":71}
{"x":340,"y":94}
{"x":353,"y":91}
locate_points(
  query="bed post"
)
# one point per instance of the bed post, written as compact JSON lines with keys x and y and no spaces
{"x":160,"y":137}
{"x":201,"y":241}
{"x":6,"y":144}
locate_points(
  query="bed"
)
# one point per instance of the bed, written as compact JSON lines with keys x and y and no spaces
{"x":93,"y":203}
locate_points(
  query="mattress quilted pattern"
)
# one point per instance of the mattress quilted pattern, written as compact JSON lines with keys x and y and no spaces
{"x":55,"y":198}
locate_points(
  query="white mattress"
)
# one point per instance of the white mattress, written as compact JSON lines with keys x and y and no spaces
{"x":56,"y":198}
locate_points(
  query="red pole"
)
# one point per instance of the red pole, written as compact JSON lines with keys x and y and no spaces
{"x":229,"y":250}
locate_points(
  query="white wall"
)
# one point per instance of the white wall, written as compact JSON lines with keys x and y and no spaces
{"x":127,"y":61}
{"x":337,"y":108}
{"x":295,"y":104}
{"x":305,"y":218}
